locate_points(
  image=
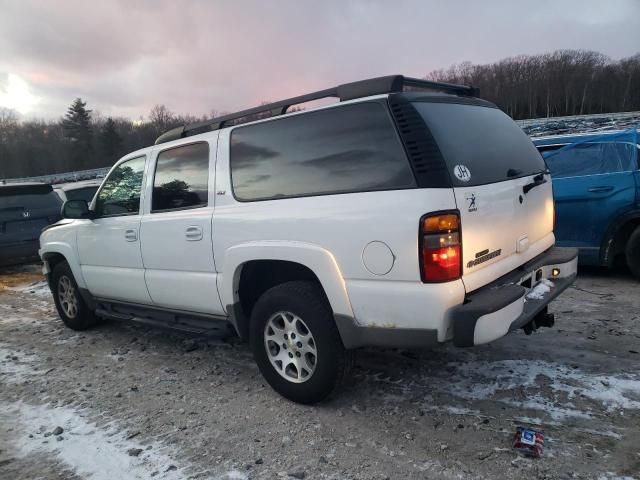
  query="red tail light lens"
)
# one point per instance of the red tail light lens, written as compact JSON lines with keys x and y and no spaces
{"x":440,"y":247}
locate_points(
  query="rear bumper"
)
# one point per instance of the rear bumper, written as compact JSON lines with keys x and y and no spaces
{"x":510,"y":303}
{"x":14,"y":253}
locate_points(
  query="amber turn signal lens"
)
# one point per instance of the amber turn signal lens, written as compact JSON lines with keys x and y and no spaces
{"x":440,"y":223}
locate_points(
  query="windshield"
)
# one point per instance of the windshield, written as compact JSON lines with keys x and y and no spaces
{"x":480,"y":145}
{"x":85,"y":193}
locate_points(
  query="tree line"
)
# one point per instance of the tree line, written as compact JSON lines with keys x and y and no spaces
{"x":565,"y":82}
{"x":78,"y":141}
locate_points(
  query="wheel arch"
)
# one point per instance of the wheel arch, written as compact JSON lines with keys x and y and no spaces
{"x":283,"y":261}
{"x":57,"y":252}
{"x":616,"y":236}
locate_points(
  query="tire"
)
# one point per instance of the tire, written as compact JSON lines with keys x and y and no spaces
{"x":73,"y":310}
{"x":311,"y":360}
{"x":632,"y":253}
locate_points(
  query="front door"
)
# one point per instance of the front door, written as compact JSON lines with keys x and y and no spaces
{"x":175,"y":232}
{"x":109,"y":244}
{"x":592,"y":184}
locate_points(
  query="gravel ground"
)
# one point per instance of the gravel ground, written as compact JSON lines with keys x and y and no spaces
{"x":133,"y":402}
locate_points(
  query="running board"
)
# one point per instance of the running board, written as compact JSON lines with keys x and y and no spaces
{"x":208,"y":325}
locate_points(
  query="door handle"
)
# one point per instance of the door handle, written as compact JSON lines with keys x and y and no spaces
{"x":193,"y":233}
{"x":604,"y":188}
{"x":130,"y":235}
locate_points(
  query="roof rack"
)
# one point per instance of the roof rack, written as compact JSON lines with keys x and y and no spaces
{"x":346,"y":91}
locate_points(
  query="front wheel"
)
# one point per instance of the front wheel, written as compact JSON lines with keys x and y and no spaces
{"x":296,"y":343}
{"x":633,"y":253}
{"x":73,"y":310}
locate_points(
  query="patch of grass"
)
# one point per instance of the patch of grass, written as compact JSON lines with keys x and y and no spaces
{"x":19,"y":275}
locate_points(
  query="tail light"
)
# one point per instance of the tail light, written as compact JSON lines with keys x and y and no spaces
{"x":440,"y":247}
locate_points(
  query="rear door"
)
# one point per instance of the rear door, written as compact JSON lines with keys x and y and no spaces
{"x":176,"y":235}
{"x":593,"y":182}
{"x":500,"y":185}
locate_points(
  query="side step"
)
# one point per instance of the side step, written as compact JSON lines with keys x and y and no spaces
{"x":208,"y":325}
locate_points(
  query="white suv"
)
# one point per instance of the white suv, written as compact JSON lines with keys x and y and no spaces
{"x":407,"y":214}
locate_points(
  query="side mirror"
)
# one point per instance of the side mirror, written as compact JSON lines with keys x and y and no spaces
{"x":76,"y":209}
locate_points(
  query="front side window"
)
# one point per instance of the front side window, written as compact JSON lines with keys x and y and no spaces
{"x":120,"y":193}
{"x":181,"y":178}
{"x":590,"y":159}
{"x":352,"y":148}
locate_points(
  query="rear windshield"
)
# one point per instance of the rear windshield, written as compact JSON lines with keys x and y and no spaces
{"x":480,"y":145}
{"x":48,"y":200}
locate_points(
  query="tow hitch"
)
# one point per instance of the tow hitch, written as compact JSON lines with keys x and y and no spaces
{"x":542,"y":319}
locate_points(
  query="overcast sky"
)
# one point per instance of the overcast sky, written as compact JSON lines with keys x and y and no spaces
{"x":124,"y":56}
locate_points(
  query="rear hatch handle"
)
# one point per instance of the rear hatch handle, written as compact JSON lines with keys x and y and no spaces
{"x":537,"y":181}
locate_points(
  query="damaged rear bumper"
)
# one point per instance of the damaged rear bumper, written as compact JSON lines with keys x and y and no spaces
{"x":513,"y":301}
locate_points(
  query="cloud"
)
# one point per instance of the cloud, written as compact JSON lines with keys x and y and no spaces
{"x":123,"y":57}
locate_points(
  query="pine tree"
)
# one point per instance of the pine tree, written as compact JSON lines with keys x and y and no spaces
{"x":77,"y":128}
{"x":111,"y":140}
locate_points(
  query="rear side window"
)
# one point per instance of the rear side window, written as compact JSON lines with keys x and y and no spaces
{"x":591,"y":159}
{"x":351,"y":148}
{"x":181,"y":178}
{"x":480,"y":145}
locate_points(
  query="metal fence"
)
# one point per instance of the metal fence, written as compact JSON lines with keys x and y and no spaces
{"x":62,"y":177}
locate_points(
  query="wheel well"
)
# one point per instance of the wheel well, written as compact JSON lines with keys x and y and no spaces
{"x":258,"y":276}
{"x":53,"y":259}
{"x":620,"y":239}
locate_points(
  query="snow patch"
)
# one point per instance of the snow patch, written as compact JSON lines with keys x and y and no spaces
{"x":16,"y":367}
{"x":39,"y":289}
{"x":540,"y":290}
{"x":91,"y":452}
{"x":488,"y":380}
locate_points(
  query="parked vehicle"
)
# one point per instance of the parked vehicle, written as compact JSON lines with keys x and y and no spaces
{"x":25,"y":209}
{"x":82,"y":190}
{"x":596,"y":186}
{"x":391,"y":218}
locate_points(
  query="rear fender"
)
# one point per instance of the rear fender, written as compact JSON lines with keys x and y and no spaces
{"x":321,"y":262}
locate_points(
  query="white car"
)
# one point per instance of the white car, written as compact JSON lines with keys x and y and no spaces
{"x":81,"y":190}
{"x":392,"y":218}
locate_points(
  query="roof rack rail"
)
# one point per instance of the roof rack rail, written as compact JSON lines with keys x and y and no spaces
{"x":346,"y":91}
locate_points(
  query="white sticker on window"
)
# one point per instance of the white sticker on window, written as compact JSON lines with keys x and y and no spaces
{"x":462,"y":173}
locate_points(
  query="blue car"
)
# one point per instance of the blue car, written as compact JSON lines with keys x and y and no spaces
{"x":596,"y":188}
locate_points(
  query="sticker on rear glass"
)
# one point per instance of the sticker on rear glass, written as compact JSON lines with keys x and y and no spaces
{"x":462,"y":173}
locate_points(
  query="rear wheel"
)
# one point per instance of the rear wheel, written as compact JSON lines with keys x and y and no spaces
{"x":296,"y":343}
{"x":633,"y":253}
{"x":73,"y":310}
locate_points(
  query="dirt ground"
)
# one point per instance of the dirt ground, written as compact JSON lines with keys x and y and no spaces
{"x":133,"y":402}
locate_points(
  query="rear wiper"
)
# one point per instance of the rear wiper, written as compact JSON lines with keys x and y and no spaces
{"x":537,"y":181}
{"x":513,"y":172}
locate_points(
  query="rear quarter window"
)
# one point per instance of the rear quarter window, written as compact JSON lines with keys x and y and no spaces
{"x":351,"y":148}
